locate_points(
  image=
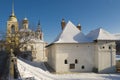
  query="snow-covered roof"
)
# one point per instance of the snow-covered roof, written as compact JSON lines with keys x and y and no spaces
{"x":100,"y":34}
{"x":31,"y":39}
{"x":36,"y":40}
{"x":25,"y":30}
{"x":70,"y":34}
{"x":117,"y":36}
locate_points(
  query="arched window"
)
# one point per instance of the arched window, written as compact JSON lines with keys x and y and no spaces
{"x":13,"y":29}
{"x":25,"y":48}
{"x":65,"y":61}
{"x":76,"y":61}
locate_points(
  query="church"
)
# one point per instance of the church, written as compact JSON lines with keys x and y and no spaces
{"x":31,"y":43}
{"x":72,"y":51}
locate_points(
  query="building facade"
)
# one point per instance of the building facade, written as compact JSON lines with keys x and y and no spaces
{"x":72,"y":51}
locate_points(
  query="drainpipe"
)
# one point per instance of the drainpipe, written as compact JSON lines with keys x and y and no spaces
{"x":111,"y":54}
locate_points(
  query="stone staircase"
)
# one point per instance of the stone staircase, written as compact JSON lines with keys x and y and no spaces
{"x":50,"y":69}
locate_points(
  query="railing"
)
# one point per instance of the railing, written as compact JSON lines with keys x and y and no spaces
{"x":28,"y":78}
{"x":13,"y":69}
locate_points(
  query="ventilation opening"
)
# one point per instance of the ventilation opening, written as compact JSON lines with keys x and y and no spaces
{"x":103,"y":47}
{"x":83,"y":67}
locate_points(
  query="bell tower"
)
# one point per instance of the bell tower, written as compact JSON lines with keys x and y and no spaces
{"x":12,"y":30}
{"x":25,"y":23}
{"x":12,"y":23}
{"x":39,"y":33}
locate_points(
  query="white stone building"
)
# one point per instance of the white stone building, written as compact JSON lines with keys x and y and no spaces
{"x":33,"y":46}
{"x":30,"y":43}
{"x":72,"y":51}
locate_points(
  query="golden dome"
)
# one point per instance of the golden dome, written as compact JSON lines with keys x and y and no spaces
{"x":13,"y":18}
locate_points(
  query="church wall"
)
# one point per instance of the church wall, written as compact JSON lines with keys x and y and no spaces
{"x":40,"y":51}
{"x":9,"y":26}
{"x":36,"y":49}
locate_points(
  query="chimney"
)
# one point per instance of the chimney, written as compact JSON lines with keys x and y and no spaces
{"x":79,"y":27}
{"x":63,"y":24}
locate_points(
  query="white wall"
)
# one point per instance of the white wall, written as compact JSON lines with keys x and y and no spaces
{"x":84,"y":53}
{"x":38,"y":50}
{"x":106,"y":56}
{"x":95,"y":56}
{"x":52,"y":56}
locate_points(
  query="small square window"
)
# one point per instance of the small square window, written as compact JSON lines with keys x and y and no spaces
{"x":72,"y":66}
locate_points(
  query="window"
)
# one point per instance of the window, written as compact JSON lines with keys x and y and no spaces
{"x":83,"y":67}
{"x":109,"y":47}
{"x":76,"y":61}
{"x":72,"y":66}
{"x":11,"y":60}
{"x":103,"y":47}
{"x":12,"y":29}
{"x":66,"y":61}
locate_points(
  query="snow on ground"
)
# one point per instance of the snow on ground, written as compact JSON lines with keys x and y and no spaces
{"x":40,"y":72}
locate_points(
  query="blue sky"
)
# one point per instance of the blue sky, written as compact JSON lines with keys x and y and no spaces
{"x":91,"y":14}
